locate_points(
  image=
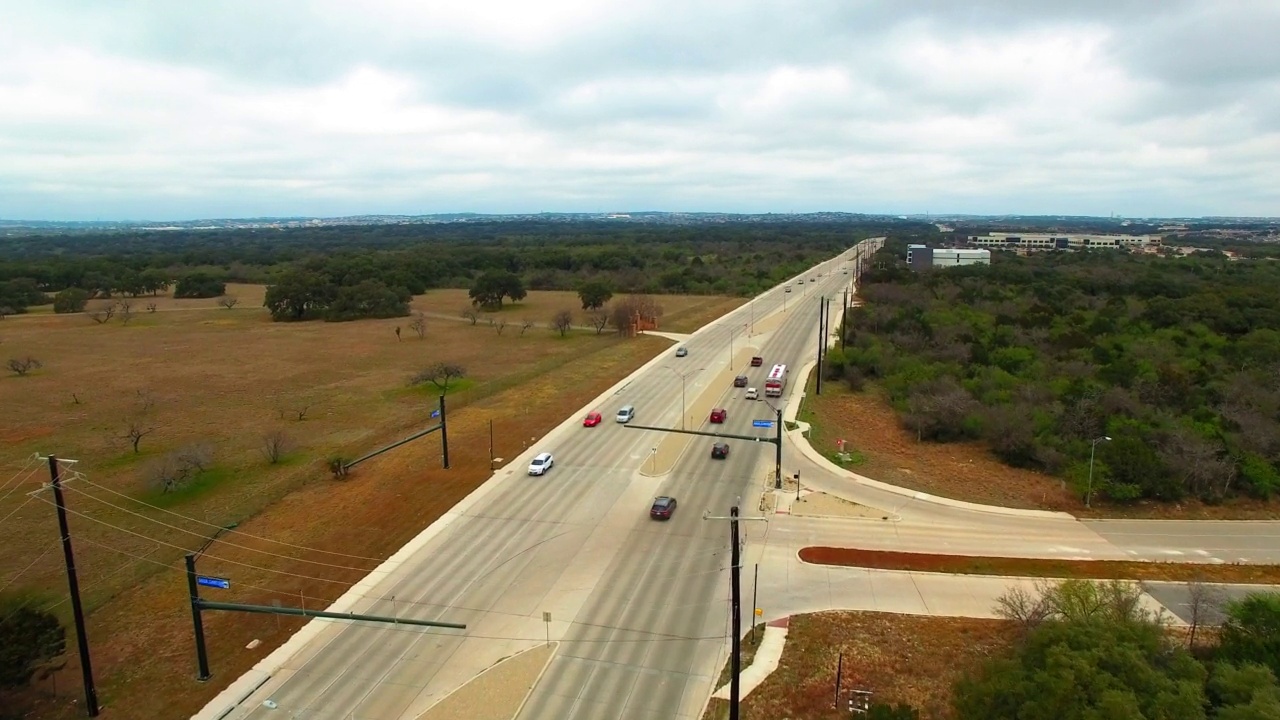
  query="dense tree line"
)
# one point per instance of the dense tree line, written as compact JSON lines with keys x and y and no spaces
{"x":1176,"y":360}
{"x":728,"y":258}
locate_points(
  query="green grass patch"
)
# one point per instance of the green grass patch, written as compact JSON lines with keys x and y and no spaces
{"x":126,"y":459}
{"x":202,"y":483}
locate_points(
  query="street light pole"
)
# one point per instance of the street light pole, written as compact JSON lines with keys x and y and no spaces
{"x":682,"y":377}
{"x":1088,"y":496}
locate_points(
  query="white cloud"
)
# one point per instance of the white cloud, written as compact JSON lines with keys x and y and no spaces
{"x":162,"y":110}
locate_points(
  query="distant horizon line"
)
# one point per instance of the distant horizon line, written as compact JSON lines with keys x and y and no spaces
{"x":620,"y":214}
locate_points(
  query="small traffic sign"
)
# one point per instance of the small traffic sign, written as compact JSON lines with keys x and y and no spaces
{"x":762,"y":423}
{"x":214,"y":582}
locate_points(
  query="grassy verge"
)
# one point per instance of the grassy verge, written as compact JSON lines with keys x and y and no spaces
{"x":719,"y":709}
{"x":1031,"y":567}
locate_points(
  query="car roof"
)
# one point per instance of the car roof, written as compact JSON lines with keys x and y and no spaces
{"x":663,"y":500}
{"x":543,"y":456}
{"x":721,"y":445}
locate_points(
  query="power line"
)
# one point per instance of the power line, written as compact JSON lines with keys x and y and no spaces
{"x":80,"y":476}
{"x":224,"y":542}
{"x":15,"y":510}
{"x":40,"y":557}
{"x":30,"y":459}
{"x":188,"y":550}
{"x":168,"y":566}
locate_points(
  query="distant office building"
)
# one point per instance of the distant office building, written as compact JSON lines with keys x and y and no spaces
{"x":923,"y":257}
{"x":1054,"y":241}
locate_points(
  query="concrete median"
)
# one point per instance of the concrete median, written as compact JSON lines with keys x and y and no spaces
{"x":671,"y":447}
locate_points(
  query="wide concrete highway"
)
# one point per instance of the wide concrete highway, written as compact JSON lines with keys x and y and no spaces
{"x":639,"y":607}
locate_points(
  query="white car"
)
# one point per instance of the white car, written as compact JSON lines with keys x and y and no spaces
{"x":541,"y":464}
{"x":752,"y":394}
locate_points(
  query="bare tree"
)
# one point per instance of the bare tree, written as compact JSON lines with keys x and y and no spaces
{"x":419,"y":325}
{"x":24,"y":365}
{"x":525,"y":325}
{"x":134,"y":430}
{"x":275,"y":445}
{"x":139,"y":425}
{"x":562,"y":321}
{"x":1204,"y":604}
{"x":197,"y":456}
{"x":126,"y":311}
{"x":440,"y":374}
{"x":1025,"y":607}
{"x":151,"y":307}
{"x":471,"y":314}
{"x":175,"y":470}
{"x":228,"y":301}
{"x":103,"y":314}
{"x":499,"y":325}
{"x":295,"y":408}
{"x":599,"y":319}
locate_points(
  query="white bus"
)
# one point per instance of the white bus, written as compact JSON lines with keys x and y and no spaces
{"x":777,"y":380}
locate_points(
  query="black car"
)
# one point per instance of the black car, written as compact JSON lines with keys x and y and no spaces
{"x":662,"y":508}
{"x":740,"y":381}
{"x":720,"y":451}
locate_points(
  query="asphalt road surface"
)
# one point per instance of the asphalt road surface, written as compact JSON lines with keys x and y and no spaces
{"x":640,"y":607}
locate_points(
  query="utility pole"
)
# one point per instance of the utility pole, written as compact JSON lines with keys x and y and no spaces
{"x":821,"y":344}
{"x":844,"y":313}
{"x":735,"y":579}
{"x":777,"y":458}
{"x":77,"y":611}
{"x":444,"y":434}
{"x":202,"y":657}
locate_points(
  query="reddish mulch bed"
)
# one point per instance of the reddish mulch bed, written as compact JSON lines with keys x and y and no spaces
{"x":1032,"y":567}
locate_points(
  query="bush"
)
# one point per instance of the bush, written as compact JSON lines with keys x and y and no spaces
{"x":71,"y":300}
{"x":199,"y":285}
{"x":28,"y":637}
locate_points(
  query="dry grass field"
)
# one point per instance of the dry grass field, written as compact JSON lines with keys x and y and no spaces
{"x":911,"y":659}
{"x":680,"y":313}
{"x":226,"y":378}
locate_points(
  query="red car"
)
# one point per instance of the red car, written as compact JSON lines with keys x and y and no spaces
{"x":757,"y":361}
{"x":591,"y":420}
{"x":719,"y":415}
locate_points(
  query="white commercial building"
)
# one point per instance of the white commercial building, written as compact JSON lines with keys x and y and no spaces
{"x":921,"y":257}
{"x":1061,"y":241}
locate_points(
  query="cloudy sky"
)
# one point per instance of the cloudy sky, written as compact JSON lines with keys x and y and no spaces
{"x":177,"y":110}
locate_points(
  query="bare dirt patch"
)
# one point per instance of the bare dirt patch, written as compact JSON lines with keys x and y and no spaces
{"x":899,"y":658}
{"x":221,"y":376}
{"x":968,"y":471}
{"x":1030,"y":567}
{"x":821,"y":504}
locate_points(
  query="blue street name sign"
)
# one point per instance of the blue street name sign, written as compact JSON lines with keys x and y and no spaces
{"x":435,"y":413}
{"x":761,"y":423}
{"x":214,"y":582}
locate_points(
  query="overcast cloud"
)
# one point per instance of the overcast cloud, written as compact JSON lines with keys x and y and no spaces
{"x":171,"y":110}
